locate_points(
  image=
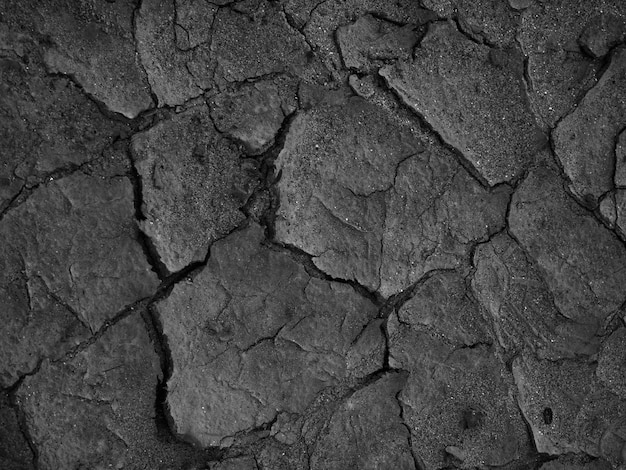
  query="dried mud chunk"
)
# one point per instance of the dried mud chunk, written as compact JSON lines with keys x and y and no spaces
{"x":585,"y":140}
{"x":521,"y":306}
{"x":457,"y":402}
{"x":75,"y":238}
{"x":602,"y":33}
{"x":370,"y":40}
{"x":583,"y":415}
{"x":193,"y":184}
{"x":458,"y":86}
{"x":46,"y":123}
{"x":166,"y":66}
{"x":106,"y":394}
{"x":246,"y":48}
{"x":253,"y":335}
{"x":560,"y":72}
{"x":360,"y":192}
{"x":367,"y":431}
{"x":93,"y":42}
{"x":582,"y":261}
{"x":253,"y":113}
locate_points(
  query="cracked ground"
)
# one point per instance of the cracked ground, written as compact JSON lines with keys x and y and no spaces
{"x":303,"y":234}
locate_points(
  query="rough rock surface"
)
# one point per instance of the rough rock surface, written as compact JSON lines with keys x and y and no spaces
{"x":585,"y":139}
{"x":253,"y":335}
{"x":353,"y":437}
{"x":93,"y":43}
{"x":193,"y":185}
{"x":582,"y":262}
{"x":372,"y":202}
{"x":559,"y":70}
{"x":312,"y":234}
{"x":80,"y":267}
{"x":569,"y":410}
{"x":458,"y":86}
{"x":512,"y":290}
{"x":107,"y":396}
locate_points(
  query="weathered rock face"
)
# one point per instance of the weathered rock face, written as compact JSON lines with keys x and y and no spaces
{"x":560,"y":72}
{"x":92,"y":410}
{"x":93,"y":43}
{"x":585,"y":139}
{"x":367,"y":431}
{"x":193,"y":184}
{"x":581,"y":260}
{"x":363,"y":195}
{"x":569,"y":410}
{"x":168,"y":69}
{"x":46,"y":123}
{"x":70,"y":261}
{"x":253,"y":113}
{"x":457,"y":401}
{"x":570,"y":462}
{"x":458,"y":86}
{"x":266,"y":45}
{"x":522,"y":309}
{"x":253,"y":335}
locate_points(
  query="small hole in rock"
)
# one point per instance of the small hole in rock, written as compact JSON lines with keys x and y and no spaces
{"x":547,"y":415}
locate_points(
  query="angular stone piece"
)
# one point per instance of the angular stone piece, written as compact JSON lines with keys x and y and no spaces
{"x":569,"y":462}
{"x":568,"y":410}
{"x":253,"y":113}
{"x":367,"y":431}
{"x":361,"y":192}
{"x":96,"y":409}
{"x":521,"y":306}
{"x":370,"y":40}
{"x":582,"y":261}
{"x":458,"y":86}
{"x":602,"y":33}
{"x":253,"y":335}
{"x":266,"y":45}
{"x":326,"y":18}
{"x":457,"y":400}
{"x":93,"y":43}
{"x":166,"y":66}
{"x":560,"y":72}
{"x":193,"y":184}
{"x":611,"y":369}
{"x":585,"y":140}
{"x":75,"y":242}
{"x":36,"y":135}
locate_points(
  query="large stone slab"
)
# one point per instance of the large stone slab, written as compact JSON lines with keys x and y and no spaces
{"x":582,"y":261}
{"x":374,"y":201}
{"x":585,"y":140}
{"x":252,"y":336}
{"x":93,"y":42}
{"x":559,"y":69}
{"x":95,"y":410}
{"x":458,"y":86}
{"x":193,"y":185}
{"x":36,"y":135}
{"x":70,"y":262}
{"x":521,"y":306}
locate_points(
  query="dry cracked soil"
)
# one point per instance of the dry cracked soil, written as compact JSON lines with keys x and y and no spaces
{"x":312,"y":234}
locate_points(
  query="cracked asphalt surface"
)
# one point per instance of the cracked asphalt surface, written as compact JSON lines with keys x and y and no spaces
{"x":294,"y":234}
